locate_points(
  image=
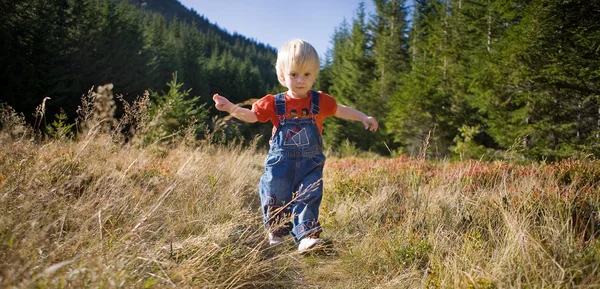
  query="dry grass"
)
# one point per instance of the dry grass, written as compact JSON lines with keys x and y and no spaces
{"x":467,"y":224}
{"x":100,"y":213}
{"x":106,"y":215}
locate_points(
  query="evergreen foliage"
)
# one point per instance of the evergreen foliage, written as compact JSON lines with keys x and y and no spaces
{"x":61,"y":48}
{"x":60,"y":128}
{"x":471,"y":78}
{"x":175,"y":111}
{"x":474,"y":78}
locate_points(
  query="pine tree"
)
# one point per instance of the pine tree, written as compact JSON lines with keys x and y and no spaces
{"x":161,"y":45}
{"x":545,"y":98}
{"x":353,"y":64}
{"x":388,"y":27}
{"x":352,"y":73}
{"x":193,"y":62}
{"x":174,"y":111}
{"x":390,"y":48}
{"x":422,"y":107}
{"x":561,"y":76}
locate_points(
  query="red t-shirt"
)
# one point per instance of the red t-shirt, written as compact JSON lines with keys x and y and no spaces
{"x":264,"y":108}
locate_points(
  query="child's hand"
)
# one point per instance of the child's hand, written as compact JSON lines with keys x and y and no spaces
{"x":370,"y":123}
{"x":222,"y":103}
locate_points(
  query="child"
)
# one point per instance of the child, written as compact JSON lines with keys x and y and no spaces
{"x":292,"y":187}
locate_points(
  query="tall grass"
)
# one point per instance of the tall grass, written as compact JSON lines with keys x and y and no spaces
{"x":101,"y":212}
{"x":467,"y":224}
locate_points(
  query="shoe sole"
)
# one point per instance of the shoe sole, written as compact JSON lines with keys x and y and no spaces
{"x":313,"y":246}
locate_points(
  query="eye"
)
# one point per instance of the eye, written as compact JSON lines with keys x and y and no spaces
{"x":307,"y":74}
{"x":293,"y":74}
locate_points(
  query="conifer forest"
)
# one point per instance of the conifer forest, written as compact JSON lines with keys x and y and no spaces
{"x":472,"y":79}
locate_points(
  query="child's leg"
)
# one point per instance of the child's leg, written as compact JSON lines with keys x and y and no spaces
{"x":305,"y":209}
{"x":275,"y":190}
{"x":279,"y":220}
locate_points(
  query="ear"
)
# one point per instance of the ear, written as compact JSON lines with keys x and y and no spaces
{"x":281,"y":79}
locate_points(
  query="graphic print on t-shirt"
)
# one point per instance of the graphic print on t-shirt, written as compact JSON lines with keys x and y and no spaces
{"x":296,"y":137}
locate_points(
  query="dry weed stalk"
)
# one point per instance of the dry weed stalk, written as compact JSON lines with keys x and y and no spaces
{"x":135,"y":116}
{"x":40,"y":113}
{"x":97,"y":111}
{"x":424,"y":147}
{"x":13,"y":123}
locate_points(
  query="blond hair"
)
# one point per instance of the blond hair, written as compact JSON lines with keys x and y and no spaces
{"x":296,"y":55}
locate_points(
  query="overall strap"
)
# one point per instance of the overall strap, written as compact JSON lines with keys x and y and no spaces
{"x":314,"y":102}
{"x":280,"y":107}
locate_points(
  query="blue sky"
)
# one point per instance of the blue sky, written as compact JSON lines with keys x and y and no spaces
{"x":275,"y":22}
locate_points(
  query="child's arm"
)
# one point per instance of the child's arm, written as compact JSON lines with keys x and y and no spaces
{"x":353,"y":114}
{"x":244,"y":114}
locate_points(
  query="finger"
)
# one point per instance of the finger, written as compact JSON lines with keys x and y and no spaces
{"x":373,"y":126}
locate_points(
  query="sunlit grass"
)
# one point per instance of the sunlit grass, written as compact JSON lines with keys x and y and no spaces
{"x":98,"y":212}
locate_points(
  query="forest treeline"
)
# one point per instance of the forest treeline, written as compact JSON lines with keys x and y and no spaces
{"x":478,"y":78}
{"x":62,"y":48}
{"x":473,"y":78}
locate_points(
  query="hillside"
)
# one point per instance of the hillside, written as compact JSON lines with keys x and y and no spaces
{"x":61,"y":50}
{"x":173,"y":9}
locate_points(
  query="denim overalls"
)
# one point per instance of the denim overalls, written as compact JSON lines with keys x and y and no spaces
{"x":292,"y":185}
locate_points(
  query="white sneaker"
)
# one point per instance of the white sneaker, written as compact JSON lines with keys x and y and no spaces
{"x":274,"y":239}
{"x":307,"y":243}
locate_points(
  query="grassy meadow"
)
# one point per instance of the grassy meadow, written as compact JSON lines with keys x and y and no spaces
{"x":99,"y":212}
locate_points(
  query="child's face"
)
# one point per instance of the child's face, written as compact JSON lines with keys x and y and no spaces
{"x":299,"y":81}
